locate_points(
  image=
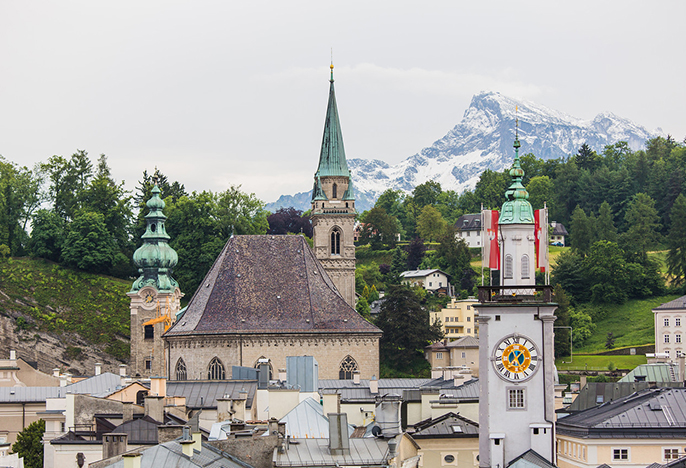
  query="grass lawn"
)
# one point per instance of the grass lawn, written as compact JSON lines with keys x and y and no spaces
{"x":599,"y":363}
{"x":631,"y":323}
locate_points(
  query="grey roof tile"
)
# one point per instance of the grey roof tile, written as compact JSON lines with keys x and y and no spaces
{"x":204,"y":394}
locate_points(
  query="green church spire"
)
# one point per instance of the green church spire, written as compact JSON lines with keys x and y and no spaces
{"x":332,"y":157}
{"x":517,"y":209}
{"x":155,"y":258}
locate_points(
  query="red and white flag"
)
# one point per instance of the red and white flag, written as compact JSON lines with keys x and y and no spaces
{"x":541,"y":238}
{"x":490,"y":246}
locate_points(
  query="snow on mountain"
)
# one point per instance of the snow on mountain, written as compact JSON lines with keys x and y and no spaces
{"x":483,"y":140}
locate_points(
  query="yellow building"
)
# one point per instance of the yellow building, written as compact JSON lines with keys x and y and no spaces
{"x":458,"y":318}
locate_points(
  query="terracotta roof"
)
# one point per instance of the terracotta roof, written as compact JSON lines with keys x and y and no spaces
{"x":268,"y":284}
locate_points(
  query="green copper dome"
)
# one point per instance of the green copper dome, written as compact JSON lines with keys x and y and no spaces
{"x":155,"y":259}
{"x":517,"y":209}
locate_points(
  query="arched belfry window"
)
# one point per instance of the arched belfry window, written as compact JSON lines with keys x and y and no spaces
{"x":336,"y":242}
{"x":181,"y":373}
{"x":525,"y":266}
{"x":334,"y":191}
{"x":348,"y":368}
{"x":508,"y":267}
{"x":215,"y":371}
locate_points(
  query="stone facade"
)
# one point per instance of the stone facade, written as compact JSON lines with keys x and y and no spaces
{"x":339,"y":266}
{"x":148,"y":356}
{"x":329,"y":350}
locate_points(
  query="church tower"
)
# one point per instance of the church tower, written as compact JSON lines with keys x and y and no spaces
{"x":155,"y":295}
{"x":333,"y":206}
{"x":516,"y":356}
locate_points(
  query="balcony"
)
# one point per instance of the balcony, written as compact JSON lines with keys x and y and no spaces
{"x":515,"y":294}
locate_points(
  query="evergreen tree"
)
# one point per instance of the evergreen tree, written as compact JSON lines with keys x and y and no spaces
{"x":562,"y":335}
{"x":581,"y":231}
{"x":605,"y":228}
{"x":676,"y":257}
{"x":29,"y":444}
{"x":415,"y":253}
{"x":398,"y":265}
{"x":610,"y":341}
{"x":643,"y":222}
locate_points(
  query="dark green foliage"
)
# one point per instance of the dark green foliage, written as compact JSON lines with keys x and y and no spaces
{"x":88,"y":245}
{"x":379,"y":229}
{"x":610,"y":341}
{"x":430,"y":223}
{"x":491,"y":187}
{"x":29,"y":444}
{"x":562,"y":335}
{"x":643,"y":224}
{"x":289,"y":220}
{"x":605,"y":228}
{"x":676,"y":258}
{"x":398,"y":265}
{"x":406,"y":329}
{"x":19,"y":197}
{"x":452,"y":254}
{"x":581,"y":231}
{"x":72,"y":352}
{"x":415,"y":253}
{"x":362,"y":307}
{"x":47,"y":236}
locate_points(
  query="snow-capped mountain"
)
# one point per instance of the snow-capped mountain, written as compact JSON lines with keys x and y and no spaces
{"x":483,"y":140}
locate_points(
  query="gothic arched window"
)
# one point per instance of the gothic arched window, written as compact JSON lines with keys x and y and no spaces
{"x":525,"y":266}
{"x":334,"y":191}
{"x":508,"y":267}
{"x":181,"y":373}
{"x":215,"y":371}
{"x":336,"y":242}
{"x":257,"y":366}
{"x":348,"y":368}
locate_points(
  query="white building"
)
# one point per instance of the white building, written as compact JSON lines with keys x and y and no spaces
{"x":670,"y":324}
{"x":431,"y":280}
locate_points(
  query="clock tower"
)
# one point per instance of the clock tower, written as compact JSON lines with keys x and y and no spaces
{"x":516,"y":356}
{"x":155,"y":295}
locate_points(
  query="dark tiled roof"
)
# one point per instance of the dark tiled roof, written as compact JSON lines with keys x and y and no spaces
{"x":678,"y":303}
{"x":652,"y":413}
{"x":469,"y":222}
{"x":204,"y":394}
{"x":448,"y":425}
{"x":559,"y":230}
{"x":597,"y":393}
{"x":140,"y":431}
{"x":268,"y":284}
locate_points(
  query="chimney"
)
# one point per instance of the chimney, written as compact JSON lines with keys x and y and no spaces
{"x":282,"y":375}
{"x":331,"y":401}
{"x":356,"y":377}
{"x":122,"y":370}
{"x":113,"y":444}
{"x":56,"y":372}
{"x":388,"y":414}
{"x":187,"y":447}
{"x":13,"y":355}
{"x":436,"y":373}
{"x":239,"y":405}
{"x":197,"y":441}
{"x":158,"y":386}
{"x":273,"y":426}
{"x":582,"y":382}
{"x":127,"y":411}
{"x":392,"y":446}
{"x":98,"y":368}
{"x":224,"y":408}
{"x":132,"y":460}
{"x":374,"y":385}
{"x":339,"y":441}
{"x":458,"y":379}
{"x":154,"y":407}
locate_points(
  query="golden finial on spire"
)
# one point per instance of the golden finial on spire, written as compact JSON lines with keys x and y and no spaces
{"x":332,"y":64}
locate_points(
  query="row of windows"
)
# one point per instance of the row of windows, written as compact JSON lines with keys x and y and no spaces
{"x":618,"y":454}
{"x":439,"y":355}
{"x":677,"y":322}
{"x":216,"y":370}
{"x":677,"y":338}
{"x":508,"y":272}
{"x":455,"y":319}
{"x":456,"y":330}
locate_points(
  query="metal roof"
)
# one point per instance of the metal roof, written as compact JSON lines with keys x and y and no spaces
{"x":448,"y":425}
{"x":420,"y":273}
{"x":469,"y":222}
{"x":204,"y":394}
{"x":597,"y":393}
{"x":658,"y":372}
{"x":676,"y":304}
{"x":98,"y":385}
{"x":530,"y":459}
{"x":651,"y":413}
{"x":315,"y":452}
{"x":407,"y":389}
{"x":383,"y":383}
{"x":170,"y":454}
{"x":307,"y":421}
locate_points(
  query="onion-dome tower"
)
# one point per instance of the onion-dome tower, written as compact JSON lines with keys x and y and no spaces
{"x":155,"y":295}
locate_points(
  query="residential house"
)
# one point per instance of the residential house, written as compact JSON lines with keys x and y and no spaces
{"x":448,"y":440}
{"x":670,"y":328}
{"x":458,"y":318}
{"x":468,"y":228}
{"x":557,"y":233}
{"x":434,"y":280}
{"x":634,"y":431}
{"x":456,"y":354}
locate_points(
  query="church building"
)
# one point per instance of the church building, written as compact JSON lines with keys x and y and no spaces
{"x":269,"y":297}
{"x":516,"y":357}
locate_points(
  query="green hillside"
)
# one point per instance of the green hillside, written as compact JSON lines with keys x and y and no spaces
{"x":44,"y":296}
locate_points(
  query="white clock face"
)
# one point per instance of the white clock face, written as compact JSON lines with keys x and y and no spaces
{"x":516,"y":358}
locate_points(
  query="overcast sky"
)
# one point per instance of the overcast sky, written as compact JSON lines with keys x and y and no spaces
{"x":220,"y":93}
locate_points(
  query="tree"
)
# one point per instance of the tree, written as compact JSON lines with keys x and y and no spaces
{"x":644,"y":223}
{"x":29,"y":444}
{"x":406,"y":329}
{"x":398,"y":265}
{"x":582,"y":325}
{"x":581,"y":231}
{"x":610,"y":341}
{"x":240,"y":213}
{"x":587,"y":159}
{"x":88,"y":245}
{"x":379,"y":228}
{"x":415,"y":253}
{"x":289,"y":220}
{"x":362,"y":307}
{"x":430,"y":223}
{"x":68,"y":178}
{"x":19,"y":197}
{"x":541,"y":191}
{"x":47,"y":235}
{"x":605,"y":228}
{"x":562,"y":341}
{"x":606,"y":270}
{"x":452,"y":254}
{"x":490,"y":189}
{"x":426,"y":194}
{"x":676,"y":257}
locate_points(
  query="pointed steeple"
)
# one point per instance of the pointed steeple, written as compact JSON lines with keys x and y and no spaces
{"x":517,"y":209}
{"x":332,"y":157}
{"x":155,"y":258}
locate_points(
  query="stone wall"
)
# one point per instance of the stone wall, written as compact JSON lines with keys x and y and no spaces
{"x":329,"y":351}
{"x":256,"y":451}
